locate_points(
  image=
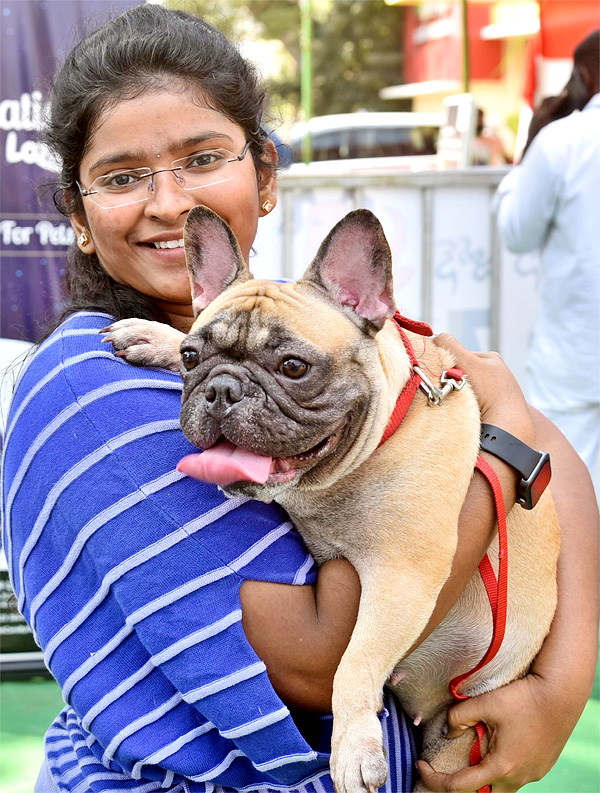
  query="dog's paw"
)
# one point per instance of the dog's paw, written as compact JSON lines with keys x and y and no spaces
{"x":145,"y":343}
{"x":358,"y":763}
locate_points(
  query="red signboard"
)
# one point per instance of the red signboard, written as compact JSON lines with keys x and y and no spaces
{"x":433,"y":37}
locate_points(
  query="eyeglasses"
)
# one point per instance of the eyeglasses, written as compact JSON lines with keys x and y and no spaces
{"x":133,"y":185}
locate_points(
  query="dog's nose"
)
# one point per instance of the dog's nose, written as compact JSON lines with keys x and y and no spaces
{"x":221,"y":393}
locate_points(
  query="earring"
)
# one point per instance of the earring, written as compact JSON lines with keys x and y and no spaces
{"x":83,"y":239}
{"x":267,"y":206}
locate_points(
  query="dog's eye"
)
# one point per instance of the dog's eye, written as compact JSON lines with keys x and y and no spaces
{"x":189,"y":359}
{"x":293,"y":368}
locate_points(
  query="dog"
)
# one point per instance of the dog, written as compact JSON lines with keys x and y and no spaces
{"x":290,"y":388}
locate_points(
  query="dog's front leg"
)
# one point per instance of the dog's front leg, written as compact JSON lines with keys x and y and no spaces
{"x":396,"y":603}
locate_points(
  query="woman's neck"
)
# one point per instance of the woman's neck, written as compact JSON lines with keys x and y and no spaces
{"x":181,"y":322}
{"x":181,"y":317}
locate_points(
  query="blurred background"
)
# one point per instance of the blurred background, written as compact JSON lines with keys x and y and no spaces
{"x":408,"y":107}
{"x":415,"y":109}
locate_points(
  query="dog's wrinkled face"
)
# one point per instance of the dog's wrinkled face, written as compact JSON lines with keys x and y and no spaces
{"x":277,"y":370}
{"x":255,"y":380}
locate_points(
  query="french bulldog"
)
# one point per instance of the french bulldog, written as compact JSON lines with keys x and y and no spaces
{"x":290,"y":387}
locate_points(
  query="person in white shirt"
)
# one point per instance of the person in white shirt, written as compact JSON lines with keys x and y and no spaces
{"x":551,"y":201}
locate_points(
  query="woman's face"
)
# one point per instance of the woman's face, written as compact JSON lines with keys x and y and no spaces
{"x":151,"y":131}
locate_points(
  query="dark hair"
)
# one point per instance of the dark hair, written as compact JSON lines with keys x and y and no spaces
{"x":587,"y":52}
{"x":145,"y":48}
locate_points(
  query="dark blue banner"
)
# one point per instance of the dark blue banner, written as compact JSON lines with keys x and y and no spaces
{"x":35,"y":35}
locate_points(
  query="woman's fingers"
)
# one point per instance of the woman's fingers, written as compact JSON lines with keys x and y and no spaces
{"x":464,"y":357}
{"x":469,"y":779}
{"x":451,"y":344}
{"x":466,"y":714}
{"x":487,"y":772}
{"x":498,"y":393}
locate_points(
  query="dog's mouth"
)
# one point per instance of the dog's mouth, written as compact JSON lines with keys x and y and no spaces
{"x":284,"y":469}
{"x":224,"y":463}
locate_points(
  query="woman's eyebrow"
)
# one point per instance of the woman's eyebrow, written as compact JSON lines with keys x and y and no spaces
{"x":137,"y":156}
{"x":116,"y":159}
{"x":202,"y":138}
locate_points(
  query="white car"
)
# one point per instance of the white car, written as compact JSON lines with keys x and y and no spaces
{"x":369,"y":140}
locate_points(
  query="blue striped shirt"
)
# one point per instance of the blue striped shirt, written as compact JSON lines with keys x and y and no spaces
{"x":129,"y":574}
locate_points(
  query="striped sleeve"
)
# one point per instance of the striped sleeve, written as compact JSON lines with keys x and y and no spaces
{"x":129,"y":574}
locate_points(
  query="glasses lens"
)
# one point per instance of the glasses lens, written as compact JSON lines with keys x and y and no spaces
{"x":119,"y":188}
{"x":205,"y":168}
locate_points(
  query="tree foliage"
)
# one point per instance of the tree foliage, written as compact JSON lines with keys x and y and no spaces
{"x":356,"y":49}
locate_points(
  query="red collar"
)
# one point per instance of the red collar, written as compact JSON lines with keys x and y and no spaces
{"x":407,"y":394}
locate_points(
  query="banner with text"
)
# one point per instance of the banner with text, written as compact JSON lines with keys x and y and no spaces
{"x":35,"y":35}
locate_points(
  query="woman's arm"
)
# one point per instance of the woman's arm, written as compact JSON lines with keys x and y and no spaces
{"x":301,"y":632}
{"x":530,"y":720}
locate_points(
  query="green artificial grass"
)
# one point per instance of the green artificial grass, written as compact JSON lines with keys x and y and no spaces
{"x":578,"y":767}
{"x":28,"y":707}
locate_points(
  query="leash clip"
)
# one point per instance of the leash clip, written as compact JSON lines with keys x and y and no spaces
{"x":451,"y":380}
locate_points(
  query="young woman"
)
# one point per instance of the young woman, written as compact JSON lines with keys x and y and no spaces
{"x":194,"y":641}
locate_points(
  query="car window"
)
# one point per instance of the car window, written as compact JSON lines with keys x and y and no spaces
{"x":359,"y":142}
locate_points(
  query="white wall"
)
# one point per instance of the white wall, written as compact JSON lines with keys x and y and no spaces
{"x":449,"y":266}
{"x":11,"y":355}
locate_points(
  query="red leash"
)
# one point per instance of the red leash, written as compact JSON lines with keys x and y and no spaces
{"x":451,"y":380}
{"x":497,"y":589}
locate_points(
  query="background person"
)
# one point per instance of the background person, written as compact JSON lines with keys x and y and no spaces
{"x":551,"y":201}
{"x":486,"y":146}
{"x":193,"y":641}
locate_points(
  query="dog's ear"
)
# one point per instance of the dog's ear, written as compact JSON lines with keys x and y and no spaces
{"x":212,"y":255}
{"x":354,"y":266}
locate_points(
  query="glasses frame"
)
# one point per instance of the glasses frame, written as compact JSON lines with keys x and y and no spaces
{"x":89,"y":193}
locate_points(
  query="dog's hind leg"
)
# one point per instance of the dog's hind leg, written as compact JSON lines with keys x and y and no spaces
{"x":445,"y":755}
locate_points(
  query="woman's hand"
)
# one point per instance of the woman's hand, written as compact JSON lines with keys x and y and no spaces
{"x":500,"y":398}
{"x":501,"y":403}
{"x":528,"y":723}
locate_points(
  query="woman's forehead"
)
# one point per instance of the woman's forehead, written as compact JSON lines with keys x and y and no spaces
{"x":157,"y":123}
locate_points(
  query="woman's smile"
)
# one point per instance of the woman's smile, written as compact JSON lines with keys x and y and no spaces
{"x":166,"y":244}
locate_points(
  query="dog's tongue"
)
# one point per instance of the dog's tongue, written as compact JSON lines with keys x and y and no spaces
{"x":225,"y":463}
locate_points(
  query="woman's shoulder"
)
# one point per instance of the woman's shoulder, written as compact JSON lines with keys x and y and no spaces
{"x":74,"y":365}
{"x":79,"y":339}
{"x":74,"y":396}
{"x":80,"y":329}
